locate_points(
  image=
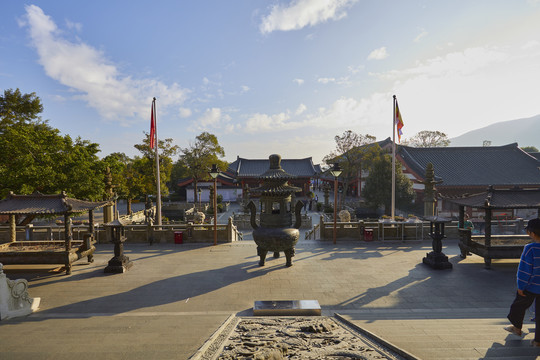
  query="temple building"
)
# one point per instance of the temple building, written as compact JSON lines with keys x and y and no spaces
{"x":248,"y":171}
{"x":469,"y":170}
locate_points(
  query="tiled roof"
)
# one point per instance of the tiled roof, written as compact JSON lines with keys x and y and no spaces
{"x":475,"y":166}
{"x":255,"y":167}
{"x":502,"y":199}
{"x":39,"y":204}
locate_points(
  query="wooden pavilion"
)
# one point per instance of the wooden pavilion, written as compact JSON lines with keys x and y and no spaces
{"x":50,"y":251}
{"x":490,"y":246}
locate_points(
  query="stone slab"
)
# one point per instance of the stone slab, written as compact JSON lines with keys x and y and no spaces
{"x":287,"y":308}
{"x":244,"y":338}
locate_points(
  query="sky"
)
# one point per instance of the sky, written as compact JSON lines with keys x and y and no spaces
{"x":271,"y":77}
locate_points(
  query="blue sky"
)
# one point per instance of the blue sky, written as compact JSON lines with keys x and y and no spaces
{"x":272,"y":76}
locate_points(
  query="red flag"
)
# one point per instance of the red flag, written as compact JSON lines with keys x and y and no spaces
{"x":152,"y":126}
{"x":398,"y":121}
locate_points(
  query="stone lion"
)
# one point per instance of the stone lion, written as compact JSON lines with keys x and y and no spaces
{"x":199,"y":217}
{"x":344,"y":216}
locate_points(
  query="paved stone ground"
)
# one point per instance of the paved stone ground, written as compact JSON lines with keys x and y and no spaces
{"x":176,"y":296}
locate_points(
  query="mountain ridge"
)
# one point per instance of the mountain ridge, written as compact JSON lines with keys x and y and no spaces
{"x":525,"y":132}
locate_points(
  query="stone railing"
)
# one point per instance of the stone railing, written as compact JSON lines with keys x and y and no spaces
{"x":138,"y":216}
{"x":135,"y":233}
{"x":355,"y":230}
{"x":41,"y":233}
{"x":314,"y":233}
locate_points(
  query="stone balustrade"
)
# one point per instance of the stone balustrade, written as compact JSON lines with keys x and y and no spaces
{"x":192,"y":233}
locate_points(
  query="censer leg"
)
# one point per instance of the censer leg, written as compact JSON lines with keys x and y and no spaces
{"x":262,"y":254}
{"x":276,"y":254}
{"x":289,"y":255}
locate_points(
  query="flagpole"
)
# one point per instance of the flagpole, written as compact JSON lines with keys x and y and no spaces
{"x":393,"y":161}
{"x":158,"y":180}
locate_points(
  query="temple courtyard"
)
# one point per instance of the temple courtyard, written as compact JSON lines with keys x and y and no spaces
{"x":177,"y":295}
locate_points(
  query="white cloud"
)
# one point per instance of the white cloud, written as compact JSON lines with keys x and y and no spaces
{"x":466,"y":62}
{"x":479,"y":86}
{"x":298,"y":81}
{"x":326,"y":80}
{"x":531,"y":44}
{"x":355,"y":69}
{"x":301,"y":109}
{"x":364,"y":115}
{"x":344,"y":80}
{"x":184,"y":112}
{"x":423,"y":33}
{"x":378,"y":54}
{"x":93,"y":78}
{"x":261,"y":123}
{"x":301,"y":13}
{"x":244,"y":88}
{"x":73,"y":26}
{"x":212,"y":118}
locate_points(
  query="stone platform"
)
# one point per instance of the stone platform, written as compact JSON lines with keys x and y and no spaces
{"x":176,"y":296}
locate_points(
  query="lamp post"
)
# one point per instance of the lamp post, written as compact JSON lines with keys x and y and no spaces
{"x":214,"y":172}
{"x":335,"y":171}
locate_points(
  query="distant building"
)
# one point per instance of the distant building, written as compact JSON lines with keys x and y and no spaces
{"x":247,"y":171}
{"x":226,"y":187}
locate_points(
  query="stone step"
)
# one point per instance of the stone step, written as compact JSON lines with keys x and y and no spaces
{"x":515,"y":352}
{"x":437,"y":339}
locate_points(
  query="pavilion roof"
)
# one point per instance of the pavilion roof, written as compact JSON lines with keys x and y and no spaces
{"x":40,"y":204}
{"x":242,"y":167}
{"x":515,"y":198}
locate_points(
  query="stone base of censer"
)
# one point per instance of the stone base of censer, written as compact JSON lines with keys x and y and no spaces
{"x":293,"y":338}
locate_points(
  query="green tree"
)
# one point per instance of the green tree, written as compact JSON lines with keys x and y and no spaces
{"x":530,"y":149}
{"x":82,"y":169}
{"x":126,"y":183}
{"x":144,"y":169}
{"x":179,"y":171}
{"x":353,"y":152}
{"x":43,"y":160}
{"x":16,"y":107}
{"x":378,"y":188}
{"x":199,"y":157}
{"x":37,"y":158}
{"x":427,"y":138}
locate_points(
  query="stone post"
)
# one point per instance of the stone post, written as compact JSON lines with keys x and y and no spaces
{"x":108,"y":214}
{"x":321,"y":227}
{"x":12,"y":228}
{"x":326,"y":189}
{"x":68,"y":235}
{"x":230,"y":235}
{"x":429,"y":191}
{"x":29,"y":232}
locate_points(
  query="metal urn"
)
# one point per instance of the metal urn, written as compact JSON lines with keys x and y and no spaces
{"x":276,"y":231}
